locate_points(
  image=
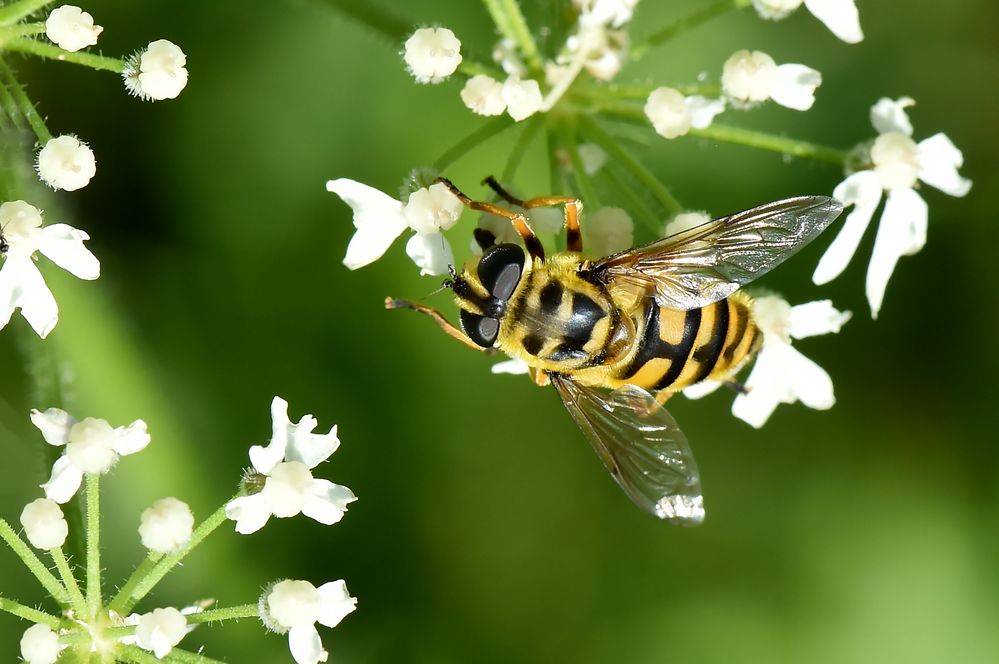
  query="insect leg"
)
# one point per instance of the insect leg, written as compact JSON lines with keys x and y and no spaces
{"x":518,"y":220}
{"x":573,"y":206}
{"x":443,"y":323}
{"x":539,"y":376}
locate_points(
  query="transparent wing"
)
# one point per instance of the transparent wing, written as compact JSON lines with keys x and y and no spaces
{"x":709,"y":262}
{"x":642,"y":447}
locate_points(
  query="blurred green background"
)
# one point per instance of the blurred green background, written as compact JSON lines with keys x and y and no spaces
{"x":486,"y":529}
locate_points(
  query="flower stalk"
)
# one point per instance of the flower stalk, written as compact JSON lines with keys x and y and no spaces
{"x":33,"y":563}
{"x":53,"y":52}
{"x":510,"y":22}
{"x":93,"y":543}
{"x":226,"y":613}
{"x":15,"y":11}
{"x":76,"y":599}
{"x":24,"y":105}
{"x":28,"y":613}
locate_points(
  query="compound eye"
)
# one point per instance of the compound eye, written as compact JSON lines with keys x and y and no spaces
{"x":480,"y":329}
{"x":500,"y":269}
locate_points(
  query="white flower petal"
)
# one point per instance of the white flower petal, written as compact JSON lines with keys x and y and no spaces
{"x":840,"y":16}
{"x":21,"y":285}
{"x":310,"y":448}
{"x":433,"y":209}
{"x":328,"y":502}
{"x":249,"y":512}
{"x":701,"y":389}
{"x":523,"y":98}
{"x":377,"y":217}
{"x":54,"y":424}
{"x":939,"y":160}
{"x":40,"y":645}
{"x":161,"y":74}
{"x":667,"y":111}
{"x":335,"y":603}
{"x":513,"y":366}
{"x":44,"y":524}
{"x":264,"y":459}
{"x":765,"y":388}
{"x":749,"y":76}
{"x":902,"y":232}
{"x":483,"y":95}
{"x":794,"y":86}
{"x":431,"y":253}
{"x":67,"y":163}
{"x":889,"y":115}
{"x":63,"y":245}
{"x":131,"y":439}
{"x":305,"y":645}
{"x":432,"y":54}
{"x":815,"y":318}
{"x":160,"y":630}
{"x":64,"y":482}
{"x":863,"y":190}
{"x":703,"y":110}
{"x":807,"y":381}
{"x":71,"y":29}
{"x":166,"y":526}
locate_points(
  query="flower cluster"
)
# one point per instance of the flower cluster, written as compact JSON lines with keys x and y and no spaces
{"x":110,"y":629}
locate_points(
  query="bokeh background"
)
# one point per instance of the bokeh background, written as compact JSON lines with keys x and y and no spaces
{"x":486,"y":529}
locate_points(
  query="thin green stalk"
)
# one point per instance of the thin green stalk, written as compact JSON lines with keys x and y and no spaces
{"x":228,"y":613}
{"x":53,"y":52}
{"x":470,"y":68}
{"x":28,"y":613}
{"x":470,"y":142}
{"x":76,"y":599}
{"x":136,"y":655}
{"x":635,"y":202}
{"x":556,"y":181}
{"x":140,"y":573}
{"x":168,"y":562}
{"x":679,"y":26}
{"x":187,"y":657}
{"x":24,"y":105}
{"x":94,"y":543}
{"x":586,"y":190}
{"x":378,"y":19}
{"x":510,"y":22}
{"x":763,"y":141}
{"x":20,"y":30}
{"x":15,"y":11}
{"x":635,"y":167}
{"x":519,"y":148}
{"x":32,"y":561}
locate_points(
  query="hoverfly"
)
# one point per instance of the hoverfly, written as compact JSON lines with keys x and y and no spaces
{"x":619,"y":335}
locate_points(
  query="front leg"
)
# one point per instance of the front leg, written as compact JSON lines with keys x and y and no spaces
{"x":446,"y":326}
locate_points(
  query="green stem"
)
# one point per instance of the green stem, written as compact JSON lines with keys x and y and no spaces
{"x":467,"y":144}
{"x":519,"y":148}
{"x":53,"y":52}
{"x":635,"y":202}
{"x":25,"y":106}
{"x":470,"y":68}
{"x":586,"y":190}
{"x":93,"y":543}
{"x":20,"y":30}
{"x":140,"y":573}
{"x":556,"y":180}
{"x":32,"y":561}
{"x":510,"y":22}
{"x":378,"y":19}
{"x":15,"y":11}
{"x":763,"y":141}
{"x":136,"y":655}
{"x":679,"y":26}
{"x":168,"y":562}
{"x":69,"y":581}
{"x":187,"y":657}
{"x":228,"y":613}
{"x":635,"y":167}
{"x":28,"y":613}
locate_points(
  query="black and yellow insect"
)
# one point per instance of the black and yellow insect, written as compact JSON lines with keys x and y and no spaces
{"x":619,"y":335}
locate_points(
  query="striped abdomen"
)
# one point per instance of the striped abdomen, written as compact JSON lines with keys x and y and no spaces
{"x":674,"y":349}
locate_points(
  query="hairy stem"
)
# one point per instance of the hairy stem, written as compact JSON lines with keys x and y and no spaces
{"x":28,"y":613}
{"x":53,"y":52}
{"x":93,"y":543}
{"x":33,"y":563}
{"x":15,"y":11}
{"x":519,"y":148}
{"x":24,"y":105}
{"x":117,"y":604}
{"x":764,"y":141}
{"x":510,"y":22}
{"x":76,"y":599}
{"x":470,"y":142}
{"x":228,"y":613}
{"x":681,"y":25}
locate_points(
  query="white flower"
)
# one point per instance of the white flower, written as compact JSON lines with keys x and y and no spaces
{"x":380,"y":219}
{"x":608,"y":231}
{"x":289,"y":487}
{"x":296,"y":607}
{"x":605,"y":12}
{"x":158,"y":72}
{"x":66,"y":163}
{"x":70,"y":28}
{"x":512,"y":366}
{"x":781,"y":374}
{"x":749,"y":77}
{"x":840,"y":16}
{"x":523,"y":98}
{"x":506,"y":55}
{"x":44,"y":524}
{"x":483,"y":95}
{"x":21,"y":284}
{"x":92,"y":447}
{"x":685,"y":221}
{"x":672,"y":114}
{"x":166,"y":526}
{"x":40,"y":645}
{"x":159,"y":630}
{"x":898,"y":162}
{"x":432,"y":54}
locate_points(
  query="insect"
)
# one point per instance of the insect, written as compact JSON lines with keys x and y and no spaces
{"x":619,"y":335}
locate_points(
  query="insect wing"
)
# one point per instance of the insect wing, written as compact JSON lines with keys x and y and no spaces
{"x":709,"y":262}
{"x":642,"y":447}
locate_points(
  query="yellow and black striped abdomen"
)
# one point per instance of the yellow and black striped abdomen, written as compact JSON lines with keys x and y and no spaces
{"x":674,"y":349}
